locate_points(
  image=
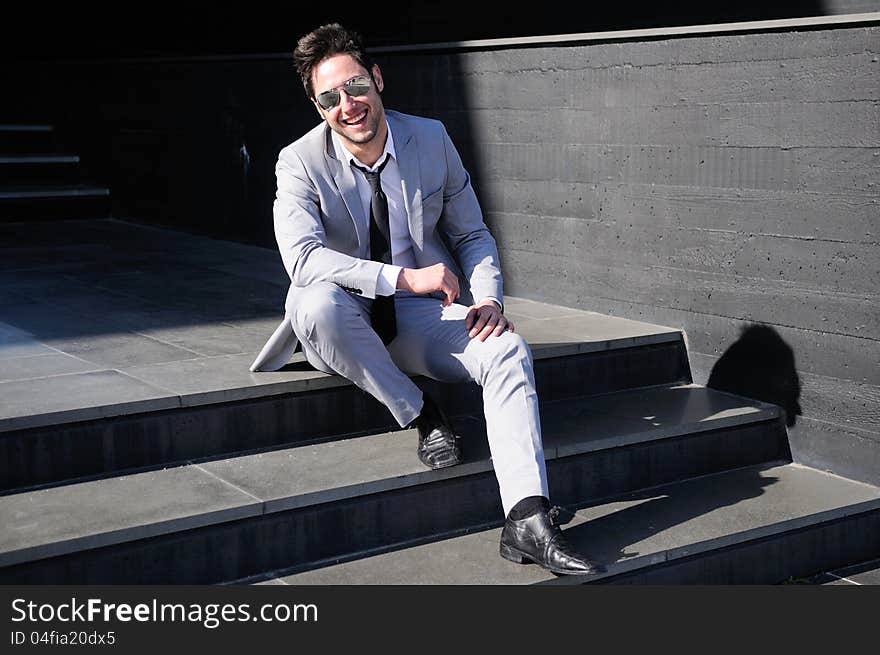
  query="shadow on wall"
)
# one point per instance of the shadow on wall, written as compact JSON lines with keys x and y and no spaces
{"x":760,"y":365}
{"x":240,"y":28}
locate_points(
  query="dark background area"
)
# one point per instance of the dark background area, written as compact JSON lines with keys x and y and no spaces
{"x":166,"y":29}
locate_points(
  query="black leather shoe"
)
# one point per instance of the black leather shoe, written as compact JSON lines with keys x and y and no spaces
{"x":539,"y":539}
{"x":439,"y":446}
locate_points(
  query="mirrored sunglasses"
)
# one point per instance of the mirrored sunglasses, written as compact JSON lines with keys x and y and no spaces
{"x":356,"y":86}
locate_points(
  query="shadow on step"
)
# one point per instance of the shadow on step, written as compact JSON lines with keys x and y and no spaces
{"x":760,"y":365}
{"x":639,"y":523}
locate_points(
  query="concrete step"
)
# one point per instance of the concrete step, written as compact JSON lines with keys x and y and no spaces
{"x":243,"y":516}
{"x":860,"y":573}
{"x":53,"y":202}
{"x":38,"y":169}
{"x":100,"y":417}
{"x":27,"y":139}
{"x":755,"y":525}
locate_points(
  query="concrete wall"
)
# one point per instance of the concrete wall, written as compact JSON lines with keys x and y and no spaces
{"x":848,"y":6}
{"x":712,"y":183}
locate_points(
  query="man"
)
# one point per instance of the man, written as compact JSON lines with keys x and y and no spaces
{"x":393,"y":272}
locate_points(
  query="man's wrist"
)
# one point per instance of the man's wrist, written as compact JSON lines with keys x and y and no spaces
{"x":389,"y":274}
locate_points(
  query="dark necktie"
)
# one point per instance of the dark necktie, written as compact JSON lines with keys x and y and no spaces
{"x":383,"y":317}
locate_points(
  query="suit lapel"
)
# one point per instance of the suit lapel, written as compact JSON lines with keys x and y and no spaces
{"x":345,"y":182}
{"x":407,"y":150}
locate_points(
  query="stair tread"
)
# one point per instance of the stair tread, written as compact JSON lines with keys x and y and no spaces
{"x":191,"y":380}
{"x":52,"y":191}
{"x":6,"y":127}
{"x":52,"y":521}
{"x":42,"y":158}
{"x":630,"y":532}
{"x":329,"y":471}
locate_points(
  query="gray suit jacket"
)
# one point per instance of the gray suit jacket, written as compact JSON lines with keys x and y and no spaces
{"x":323,"y":231}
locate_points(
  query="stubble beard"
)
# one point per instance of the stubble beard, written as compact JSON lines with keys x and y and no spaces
{"x":364,"y":137}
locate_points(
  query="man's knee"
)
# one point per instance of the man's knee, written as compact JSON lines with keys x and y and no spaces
{"x":507,"y":348}
{"x":320,"y":305}
{"x":516,"y":346}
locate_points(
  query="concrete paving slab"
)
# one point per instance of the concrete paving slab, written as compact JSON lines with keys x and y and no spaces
{"x":636,"y":416}
{"x":208,"y":252}
{"x":825,"y":579}
{"x":685,"y":403}
{"x":125,"y":272}
{"x":262,"y":325}
{"x":12,"y":333}
{"x":594,"y":331}
{"x":40,"y":284}
{"x":77,"y":397}
{"x":45,"y":321}
{"x":75,"y":326}
{"x":184,"y":327}
{"x":56,"y":258}
{"x":40,"y":366}
{"x":868,"y":577}
{"x":240,"y":296}
{"x":7,"y":296}
{"x":209,"y":339}
{"x":47,"y":234}
{"x":631,"y":532}
{"x":14,"y":347}
{"x":308,"y":475}
{"x":93,"y":302}
{"x":533,"y":309}
{"x":60,"y":520}
{"x":571,"y":430}
{"x":120,"y":350}
{"x":270,"y":269}
{"x":471,"y":558}
{"x":465,"y":560}
{"x":226,"y":378}
{"x":866,"y":573}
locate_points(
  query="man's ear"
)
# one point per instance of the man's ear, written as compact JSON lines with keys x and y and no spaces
{"x":377,"y":78}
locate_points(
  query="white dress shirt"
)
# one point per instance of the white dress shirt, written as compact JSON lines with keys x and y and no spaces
{"x":401,"y":245}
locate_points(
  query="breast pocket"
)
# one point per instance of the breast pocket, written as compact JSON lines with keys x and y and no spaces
{"x":432,"y":207}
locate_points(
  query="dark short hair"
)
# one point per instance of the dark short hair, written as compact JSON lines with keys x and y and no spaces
{"x":323,"y":42}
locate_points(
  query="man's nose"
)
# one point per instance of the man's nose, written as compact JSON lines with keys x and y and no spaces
{"x":345,"y":101}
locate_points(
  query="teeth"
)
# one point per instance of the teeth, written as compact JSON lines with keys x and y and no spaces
{"x":356,"y":118}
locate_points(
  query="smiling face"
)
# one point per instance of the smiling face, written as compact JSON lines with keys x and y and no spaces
{"x":359,"y":120}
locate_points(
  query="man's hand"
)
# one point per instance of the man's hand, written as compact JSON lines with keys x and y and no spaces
{"x":484,"y":319}
{"x":429,"y":279}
